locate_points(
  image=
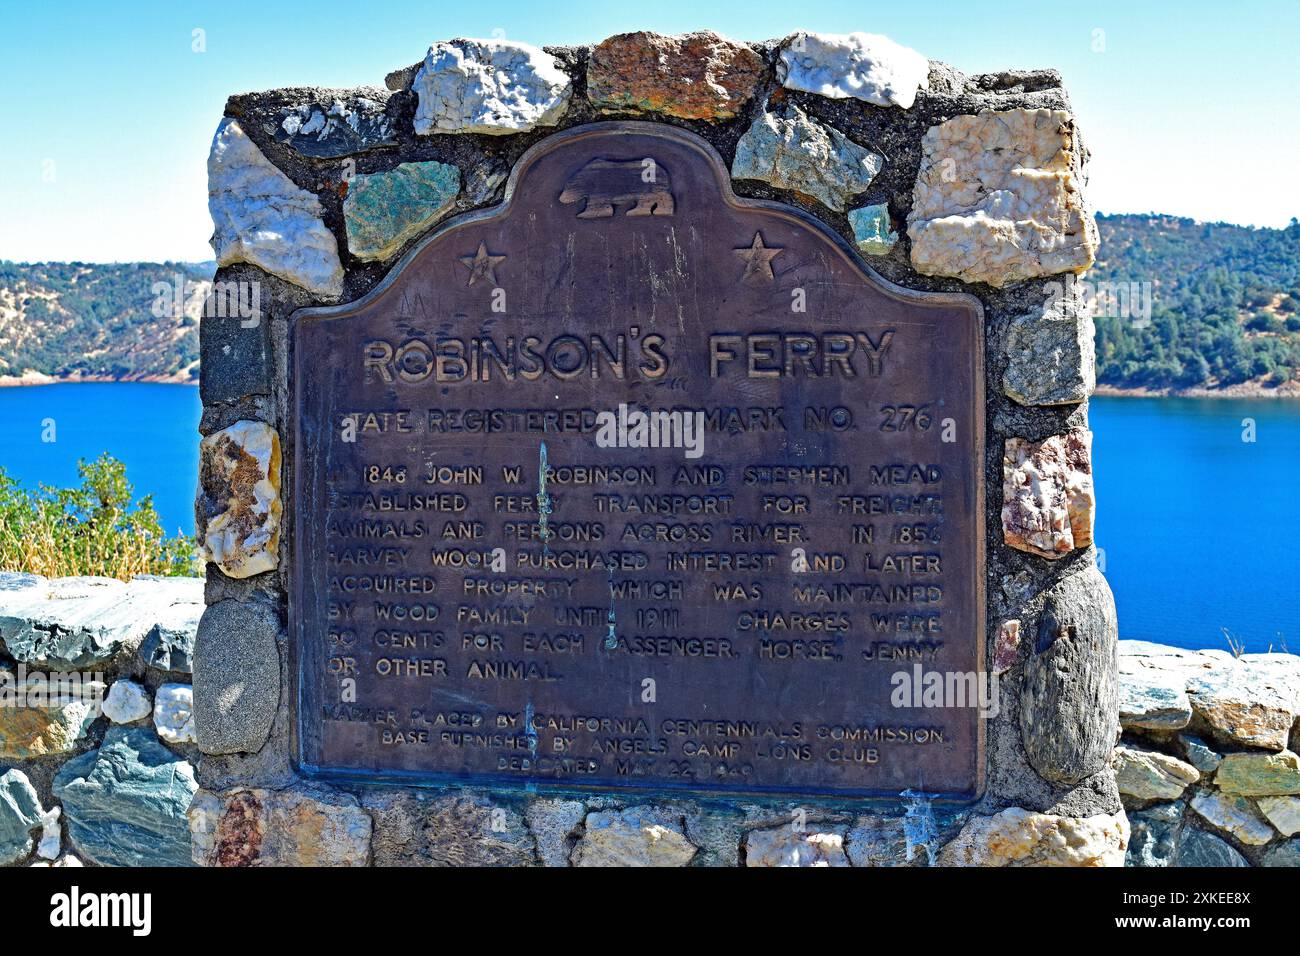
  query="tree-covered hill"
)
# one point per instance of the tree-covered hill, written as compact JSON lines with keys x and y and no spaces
{"x":80,"y":320}
{"x":1182,"y":305}
{"x":1225,"y":304}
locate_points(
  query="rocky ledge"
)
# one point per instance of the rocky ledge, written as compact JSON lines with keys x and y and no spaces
{"x":97,"y":749}
{"x":1207,"y":764}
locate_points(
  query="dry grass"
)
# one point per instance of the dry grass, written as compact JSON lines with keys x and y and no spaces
{"x":93,"y":529}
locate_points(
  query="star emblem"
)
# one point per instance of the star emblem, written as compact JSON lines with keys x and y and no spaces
{"x":481,"y":265}
{"x":758,"y":258}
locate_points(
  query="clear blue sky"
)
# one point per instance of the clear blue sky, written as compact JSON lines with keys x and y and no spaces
{"x":1193,"y":108}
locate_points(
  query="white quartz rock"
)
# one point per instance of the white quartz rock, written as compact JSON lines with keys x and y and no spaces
{"x":51,"y":834}
{"x":259,"y":216}
{"x":127,"y":702}
{"x":862,"y":66}
{"x":488,"y":86}
{"x":173,"y":713}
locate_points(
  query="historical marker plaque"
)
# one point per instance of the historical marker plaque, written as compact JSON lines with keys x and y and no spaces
{"x":631,"y":483}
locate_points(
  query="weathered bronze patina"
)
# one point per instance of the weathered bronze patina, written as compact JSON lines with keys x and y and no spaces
{"x":510,"y":568}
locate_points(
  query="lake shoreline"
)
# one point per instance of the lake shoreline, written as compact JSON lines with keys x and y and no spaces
{"x":35,"y":379}
{"x":1289,"y":391}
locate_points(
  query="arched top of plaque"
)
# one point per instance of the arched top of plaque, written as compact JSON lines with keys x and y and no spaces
{"x":590,"y":209}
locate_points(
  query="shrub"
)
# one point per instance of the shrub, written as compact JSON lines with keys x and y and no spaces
{"x":91,"y":529}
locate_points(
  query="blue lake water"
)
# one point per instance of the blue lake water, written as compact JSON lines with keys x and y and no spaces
{"x":1197,"y":528}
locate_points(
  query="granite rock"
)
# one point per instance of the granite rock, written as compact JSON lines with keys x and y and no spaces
{"x":1069,"y":693}
{"x":554,"y":825}
{"x":636,"y":836}
{"x":1150,"y":775}
{"x":1019,"y":837}
{"x":473,"y":830}
{"x":1047,"y":494}
{"x":384,"y":210}
{"x":297,"y":826}
{"x":873,"y":232}
{"x":125,"y":803}
{"x":127,"y":702}
{"x":700,"y":76}
{"x":259,"y":216}
{"x":20,"y":814}
{"x":1257,"y":774}
{"x":488,"y":86}
{"x":1233,"y":814}
{"x":1050,"y":355}
{"x":1151,"y":698}
{"x":998,"y":199}
{"x":862,"y":66}
{"x":236,"y":677}
{"x":238,"y":506}
{"x":789,"y":150}
{"x":785,"y":846}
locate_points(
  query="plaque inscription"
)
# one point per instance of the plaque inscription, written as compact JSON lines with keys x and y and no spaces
{"x":630,"y":483}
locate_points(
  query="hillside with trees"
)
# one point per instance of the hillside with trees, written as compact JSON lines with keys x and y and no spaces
{"x":1225,"y":304}
{"x":1181,"y":306}
{"x":74,"y":320}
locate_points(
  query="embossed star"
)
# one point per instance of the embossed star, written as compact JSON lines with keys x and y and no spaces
{"x":481,"y":265}
{"x":758,"y":258}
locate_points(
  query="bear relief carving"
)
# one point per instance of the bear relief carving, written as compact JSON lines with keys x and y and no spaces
{"x":643,"y":185}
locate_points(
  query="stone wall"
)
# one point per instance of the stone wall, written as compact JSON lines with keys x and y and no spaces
{"x":943,"y":181}
{"x":1207,"y":767}
{"x":97,"y":750}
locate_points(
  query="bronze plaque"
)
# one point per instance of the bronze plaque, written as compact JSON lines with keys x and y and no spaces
{"x":630,"y":483}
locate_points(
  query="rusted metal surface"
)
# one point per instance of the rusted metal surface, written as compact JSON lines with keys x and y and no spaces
{"x":489,"y":588}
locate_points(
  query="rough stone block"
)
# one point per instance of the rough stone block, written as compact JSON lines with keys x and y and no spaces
{"x":488,"y":86}
{"x":385,"y":210}
{"x":259,"y":216}
{"x":998,"y":199}
{"x":1069,"y":698}
{"x":1150,"y":775}
{"x":873,"y":233}
{"x":789,"y":150}
{"x":1047,"y":494}
{"x":298,"y":826}
{"x":125,"y":803}
{"x":637,"y":836}
{"x":785,"y":846}
{"x":1019,"y":837}
{"x":863,"y":66}
{"x":238,"y":507}
{"x":694,"y":76}
{"x":1049,"y":353}
{"x":236,"y":677}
